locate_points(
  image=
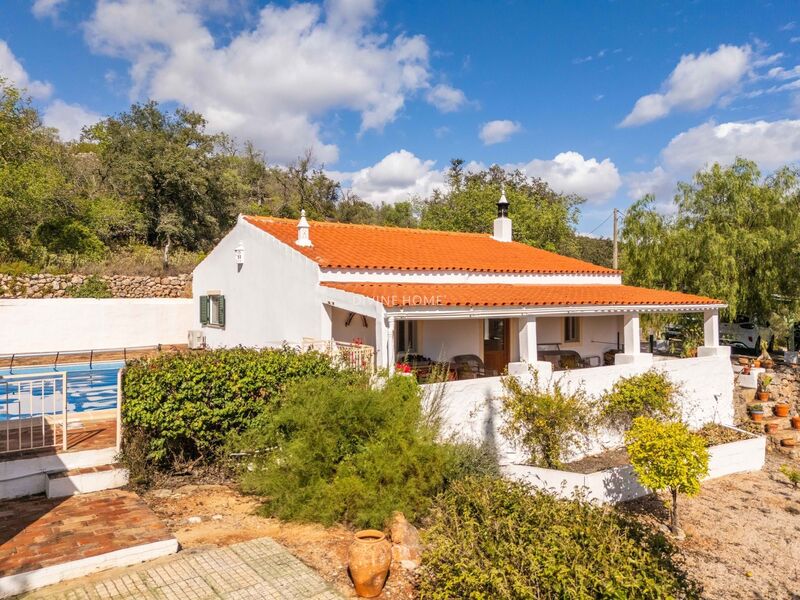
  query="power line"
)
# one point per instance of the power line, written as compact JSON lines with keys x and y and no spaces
{"x":601,"y":224}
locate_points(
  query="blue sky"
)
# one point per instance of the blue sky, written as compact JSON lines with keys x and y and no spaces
{"x":607,"y":99}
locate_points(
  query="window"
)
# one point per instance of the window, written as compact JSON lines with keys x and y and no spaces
{"x":572,"y":329}
{"x":212,"y":310}
{"x":406,"y":336}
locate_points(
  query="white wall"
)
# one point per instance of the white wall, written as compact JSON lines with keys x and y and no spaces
{"x":356,"y":330}
{"x":64,"y":324}
{"x":448,"y":338}
{"x":274,"y":297}
{"x":473,"y":408}
{"x":597,"y":334}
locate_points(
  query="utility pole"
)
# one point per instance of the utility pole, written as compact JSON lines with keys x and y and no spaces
{"x":616,"y":240}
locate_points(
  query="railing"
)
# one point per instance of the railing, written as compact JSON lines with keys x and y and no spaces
{"x":353,"y":356}
{"x":33,"y":412}
{"x":54,"y":357}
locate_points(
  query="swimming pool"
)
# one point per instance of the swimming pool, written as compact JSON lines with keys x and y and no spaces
{"x":88,"y":388}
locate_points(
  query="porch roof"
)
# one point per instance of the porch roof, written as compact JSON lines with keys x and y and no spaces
{"x":399,"y":295}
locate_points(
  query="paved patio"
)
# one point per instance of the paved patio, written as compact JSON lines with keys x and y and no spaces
{"x":259,"y":570}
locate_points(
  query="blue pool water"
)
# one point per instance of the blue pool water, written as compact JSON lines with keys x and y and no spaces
{"x":88,"y":388}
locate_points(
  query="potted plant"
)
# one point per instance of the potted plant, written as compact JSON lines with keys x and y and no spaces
{"x":781,"y":409}
{"x":763,"y":388}
{"x":765,"y":357}
{"x":771,"y":427}
{"x":796,"y":422}
{"x":756,"y":412}
{"x":756,"y":364}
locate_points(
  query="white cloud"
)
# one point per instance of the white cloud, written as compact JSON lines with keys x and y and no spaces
{"x":446,"y":98}
{"x":696,"y":83}
{"x":495,"y":132}
{"x":275,"y":82}
{"x":657,"y":182}
{"x":69,"y":119}
{"x":11,"y":69}
{"x":571,"y":173}
{"x":47,"y":8}
{"x":396,"y":177}
{"x":788,"y":26}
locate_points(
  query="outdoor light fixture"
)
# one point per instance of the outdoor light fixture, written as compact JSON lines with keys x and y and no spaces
{"x":239,"y":252}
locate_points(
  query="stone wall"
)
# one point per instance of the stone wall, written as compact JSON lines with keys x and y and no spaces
{"x":121,"y":286}
{"x":785,"y":387}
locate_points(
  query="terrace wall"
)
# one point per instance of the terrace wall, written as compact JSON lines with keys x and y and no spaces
{"x":45,"y":285}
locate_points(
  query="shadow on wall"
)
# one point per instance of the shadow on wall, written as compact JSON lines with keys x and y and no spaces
{"x":621,"y":484}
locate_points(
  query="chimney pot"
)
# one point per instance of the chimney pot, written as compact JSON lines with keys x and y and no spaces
{"x":303,"y":238}
{"x":502,"y":224}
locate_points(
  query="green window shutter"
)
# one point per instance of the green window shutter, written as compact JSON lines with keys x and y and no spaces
{"x":221,"y":311}
{"x":204,"y":312}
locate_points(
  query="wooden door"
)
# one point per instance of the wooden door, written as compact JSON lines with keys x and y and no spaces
{"x":496,"y":342}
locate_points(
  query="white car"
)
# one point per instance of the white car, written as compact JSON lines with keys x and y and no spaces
{"x":745,"y":333}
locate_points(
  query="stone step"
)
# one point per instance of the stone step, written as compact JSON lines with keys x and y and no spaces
{"x":84,"y":480}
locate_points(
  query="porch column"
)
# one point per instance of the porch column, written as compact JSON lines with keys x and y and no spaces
{"x":633,"y":353}
{"x":390,"y":352}
{"x":711,"y":345}
{"x":527,"y":340}
{"x":326,"y":323}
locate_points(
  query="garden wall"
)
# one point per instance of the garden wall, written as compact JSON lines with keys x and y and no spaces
{"x":121,"y":286}
{"x":785,"y":387}
{"x":66,"y":324}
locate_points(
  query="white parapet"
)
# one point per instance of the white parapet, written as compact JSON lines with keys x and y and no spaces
{"x":640,"y":359}
{"x":713,"y":351}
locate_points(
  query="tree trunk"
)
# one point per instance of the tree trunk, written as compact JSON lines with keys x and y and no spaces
{"x":675,"y":525}
{"x":166,"y":251}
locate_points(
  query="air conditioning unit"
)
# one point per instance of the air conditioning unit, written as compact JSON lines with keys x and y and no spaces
{"x":197,"y":340}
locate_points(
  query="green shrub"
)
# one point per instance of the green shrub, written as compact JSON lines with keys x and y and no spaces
{"x":491,"y":538}
{"x":186,"y":404}
{"x":92,"y":287}
{"x":548,"y":421}
{"x":650,"y":394}
{"x":343,"y":451}
{"x":667,"y":456}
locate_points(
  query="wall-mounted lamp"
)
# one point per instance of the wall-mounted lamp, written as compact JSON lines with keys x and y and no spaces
{"x":239,"y":252}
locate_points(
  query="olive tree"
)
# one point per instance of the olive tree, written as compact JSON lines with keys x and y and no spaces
{"x":667,"y":456}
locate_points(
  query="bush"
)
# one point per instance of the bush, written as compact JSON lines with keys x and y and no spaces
{"x":667,"y":456}
{"x":343,"y":451}
{"x":92,"y":287}
{"x":491,"y":538}
{"x":650,"y":394}
{"x":185,"y":405}
{"x":548,"y":421}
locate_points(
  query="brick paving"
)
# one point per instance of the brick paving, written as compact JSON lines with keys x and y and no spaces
{"x":256,"y":570}
{"x":90,"y":435}
{"x":38,"y":532}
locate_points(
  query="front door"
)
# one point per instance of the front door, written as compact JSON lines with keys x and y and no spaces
{"x":496,"y":340}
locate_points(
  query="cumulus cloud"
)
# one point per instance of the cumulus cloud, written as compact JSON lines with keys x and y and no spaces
{"x":697,"y":82}
{"x":571,"y":173}
{"x":69,"y":119}
{"x":495,"y":132}
{"x":47,"y":8}
{"x":446,"y":98}
{"x":275,"y":81}
{"x":396,"y":177}
{"x":12,"y":69}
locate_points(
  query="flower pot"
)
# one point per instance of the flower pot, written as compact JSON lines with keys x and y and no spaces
{"x":795,"y":422}
{"x":788,"y":442}
{"x":744,"y":361}
{"x":746,"y":371}
{"x":369,"y":559}
{"x":763,"y":396}
{"x":771,"y":427}
{"x":756,"y":364}
{"x":757,"y":415}
{"x":781,"y":410}
{"x":768,"y":364}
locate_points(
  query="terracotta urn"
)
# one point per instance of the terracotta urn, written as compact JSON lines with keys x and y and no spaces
{"x":369,"y":558}
{"x":781,"y":410}
{"x":796,"y":422}
{"x":763,"y":396}
{"x":771,"y":427}
{"x":756,"y":364}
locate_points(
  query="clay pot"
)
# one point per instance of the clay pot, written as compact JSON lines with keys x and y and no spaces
{"x":796,"y":422}
{"x":756,"y":364}
{"x":768,"y":364}
{"x":763,"y":396}
{"x":744,"y":361}
{"x":369,"y":559}
{"x":757,"y":416}
{"x":781,"y":410}
{"x":771,"y":427}
{"x":746,"y":371}
{"x":788,"y":442}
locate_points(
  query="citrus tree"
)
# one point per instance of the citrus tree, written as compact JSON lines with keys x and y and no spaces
{"x":667,"y":456}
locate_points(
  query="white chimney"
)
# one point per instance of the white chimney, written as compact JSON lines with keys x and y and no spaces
{"x":302,"y":231}
{"x":502,"y":224}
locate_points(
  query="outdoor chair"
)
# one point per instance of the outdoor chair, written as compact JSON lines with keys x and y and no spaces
{"x":470,"y":366}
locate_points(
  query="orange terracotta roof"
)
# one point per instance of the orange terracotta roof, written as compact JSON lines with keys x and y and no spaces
{"x":340,"y":245}
{"x":496,"y":294}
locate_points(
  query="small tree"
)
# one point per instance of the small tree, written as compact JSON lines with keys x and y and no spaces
{"x":667,"y":456}
{"x":547,"y":421}
{"x":649,"y":394}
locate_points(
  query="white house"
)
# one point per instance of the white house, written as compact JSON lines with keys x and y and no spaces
{"x":437,"y":294}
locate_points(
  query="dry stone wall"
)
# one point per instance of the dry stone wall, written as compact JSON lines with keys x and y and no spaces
{"x":785,"y":387}
{"x":121,"y":286}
